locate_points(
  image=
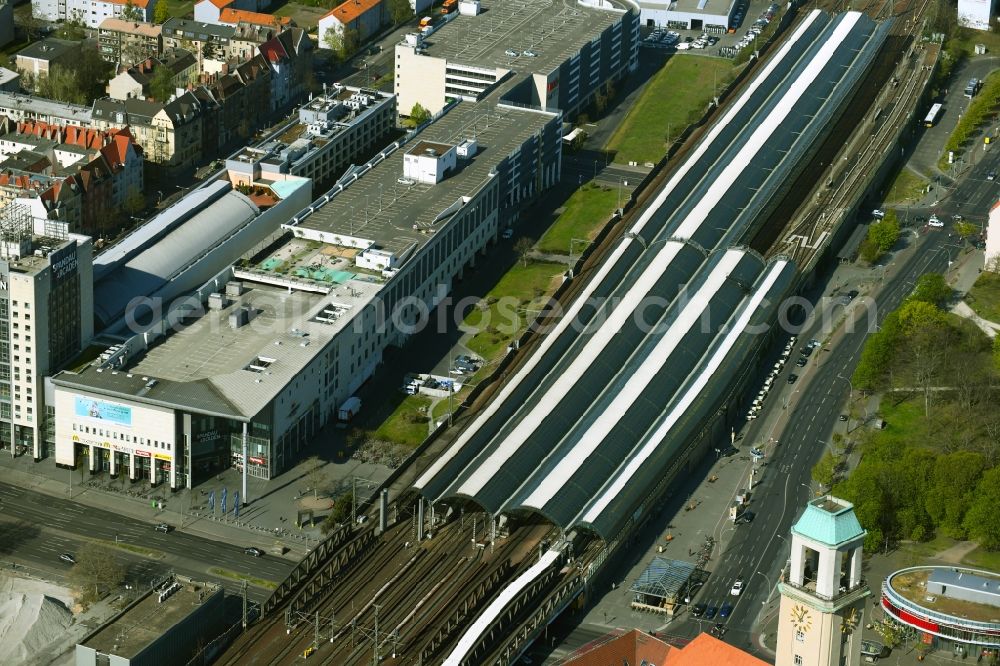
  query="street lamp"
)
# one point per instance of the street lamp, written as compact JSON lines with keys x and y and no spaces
{"x":850,"y":386}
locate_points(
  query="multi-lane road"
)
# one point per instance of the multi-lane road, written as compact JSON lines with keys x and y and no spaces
{"x":35,"y":529}
{"x":757,"y":552}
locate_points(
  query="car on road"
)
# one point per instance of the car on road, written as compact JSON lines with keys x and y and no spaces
{"x":162,"y":527}
{"x":756,"y":452}
{"x":992,"y":175}
{"x":698,"y":610}
{"x":934,"y":221}
{"x":745,"y":517}
{"x":878,"y":213}
{"x":726,"y":609}
{"x":255,"y":552}
{"x":507,"y":234}
{"x":710,"y":613}
{"x":853,"y":293}
{"x":66,"y":557}
{"x":792,"y":377}
{"x":737,"y":588}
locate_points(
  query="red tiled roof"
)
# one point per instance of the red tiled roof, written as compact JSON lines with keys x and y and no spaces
{"x":273,"y":50}
{"x":706,"y":649}
{"x":221,"y":4}
{"x":141,"y":4}
{"x":234,"y":16}
{"x":632,"y":648}
{"x":351,"y":10}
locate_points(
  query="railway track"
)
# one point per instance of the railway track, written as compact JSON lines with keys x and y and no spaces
{"x":858,"y":142}
{"x":393,"y":600}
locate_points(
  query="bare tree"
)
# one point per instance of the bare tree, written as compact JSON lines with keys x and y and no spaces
{"x":97,"y":571}
{"x":316,"y":476}
{"x":523,"y":247}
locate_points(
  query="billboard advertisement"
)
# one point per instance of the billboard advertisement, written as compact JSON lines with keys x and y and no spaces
{"x":100,"y":410}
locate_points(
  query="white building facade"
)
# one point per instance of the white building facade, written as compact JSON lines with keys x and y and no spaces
{"x":975,"y":14}
{"x":90,"y":12}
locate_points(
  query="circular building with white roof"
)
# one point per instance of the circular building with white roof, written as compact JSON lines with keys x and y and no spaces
{"x":952,"y":608}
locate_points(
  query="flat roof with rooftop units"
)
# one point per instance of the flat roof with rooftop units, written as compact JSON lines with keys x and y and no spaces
{"x":163,"y":626}
{"x":553,"y":30}
{"x":397,"y":213}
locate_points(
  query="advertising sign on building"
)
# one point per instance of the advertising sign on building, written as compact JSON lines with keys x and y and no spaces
{"x":99,"y":410}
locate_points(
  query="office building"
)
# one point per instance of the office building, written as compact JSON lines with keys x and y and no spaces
{"x":551,"y":55}
{"x":46,"y":318}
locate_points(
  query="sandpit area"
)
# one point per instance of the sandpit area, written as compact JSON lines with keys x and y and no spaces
{"x":34,"y":617}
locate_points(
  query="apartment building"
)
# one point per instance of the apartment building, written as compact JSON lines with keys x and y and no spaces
{"x":129,"y":42}
{"x":364,"y":17}
{"x":91,"y":13}
{"x":169,"y":134}
{"x":20,"y":107}
{"x":210,"y":11}
{"x":135,"y":81}
{"x":37,"y":59}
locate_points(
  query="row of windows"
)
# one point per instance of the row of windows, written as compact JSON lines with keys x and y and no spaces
{"x":111,"y":434}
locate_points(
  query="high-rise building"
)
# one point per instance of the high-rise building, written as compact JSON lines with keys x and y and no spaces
{"x":822,"y":593}
{"x":46,"y":316}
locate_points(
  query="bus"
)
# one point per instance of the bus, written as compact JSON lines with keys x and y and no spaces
{"x":932,"y":115}
{"x":425,"y":22}
{"x":448,"y":6}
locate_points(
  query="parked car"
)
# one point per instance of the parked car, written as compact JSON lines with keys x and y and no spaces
{"x":529,"y":54}
{"x":511,"y":53}
{"x":843,"y":417}
{"x":710,"y":613}
{"x":792,"y":378}
{"x":162,"y":527}
{"x":726,"y":609}
{"x":878,"y":213}
{"x":698,"y":610}
{"x":745,"y":517}
{"x":507,"y":234}
{"x":992,"y":175}
{"x":801,"y":362}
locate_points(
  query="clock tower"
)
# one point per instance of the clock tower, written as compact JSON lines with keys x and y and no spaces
{"x":822,"y":592}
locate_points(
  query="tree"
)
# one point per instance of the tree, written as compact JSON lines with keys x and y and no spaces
{"x":339,"y":513}
{"x":523,"y":247}
{"x":134,"y":202}
{"x":133,"y":13}
{"x":60,"y":84}
{"x":400,"y":11}
{"x":97,"y":571}
{"x":344,"y":43}
{"x":161,"y":84}
{"x":161,"y":12}
{"x":966,"y":230}
{"x":947,"y":502}
{"x":824,"y":471}
{"x":419,"y":115}
{"x":316,"y":476}
{"x":932,"y":288}
{"x":928,"y":339}
{"x":72,"y":28}
{"x":885,"y":232}
{"x":980,"y":520}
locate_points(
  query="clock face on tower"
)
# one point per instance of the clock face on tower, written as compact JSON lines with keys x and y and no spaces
{"x":850,"y":621}
{"x":801,"y":619}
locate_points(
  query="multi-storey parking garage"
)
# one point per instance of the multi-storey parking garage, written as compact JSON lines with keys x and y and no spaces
{"x":643,"y":373}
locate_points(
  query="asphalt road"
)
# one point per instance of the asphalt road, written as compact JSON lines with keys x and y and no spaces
{"x":785,"y":483}
{"x":37,"y":528}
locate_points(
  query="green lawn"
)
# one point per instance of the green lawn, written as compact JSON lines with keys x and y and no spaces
{"x":905,"y":422}
{"x":908,"y":187}
{"x":984,"y":297}
{"x":583,"y":216}
{"x":516,"y":298}
{"x":180,"y":8}
{"x":407,"y":424}
{"x":983,"y":559}
{"x":673,"y":99}
{"x":235,"y":575}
